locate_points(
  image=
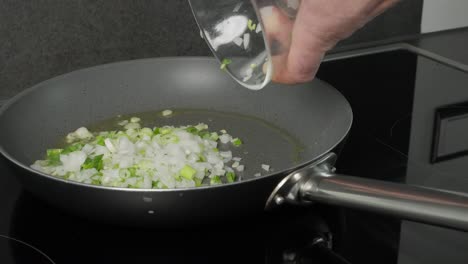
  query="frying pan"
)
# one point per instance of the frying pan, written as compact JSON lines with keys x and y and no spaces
{"x":297,"y":130}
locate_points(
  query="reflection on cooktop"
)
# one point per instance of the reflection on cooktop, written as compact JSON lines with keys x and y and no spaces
{"x":14,"y":251}
{"x":274,"y":238}
{"x":396,"y":97}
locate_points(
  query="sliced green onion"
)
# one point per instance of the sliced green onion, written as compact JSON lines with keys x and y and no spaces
{"x":230,"y":176}
{"x":251,"y":25}
{"x":72,"y":148}
{"x":215,"y":180}
{"x":100,"y":140}
{"x":53,"y":156}
{"x":95,"y":163}
{"x":225,"y":63}
{"x":187,"y":172}
{"x":236,"y":142}
{"x":167,"y":112}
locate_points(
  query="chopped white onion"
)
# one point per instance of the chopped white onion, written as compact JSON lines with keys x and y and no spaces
{"x":246,"y":40}
{"x":238,"y":41}
{"x":240,"y":168}
{"x":259,"y":28}
{"x":225,"y":138}
{"x":167,"y":112}
{"x":265,"y":167}
{"x":257,"y":174}
{"x":237,"y":7}
{"x":135,"y":119}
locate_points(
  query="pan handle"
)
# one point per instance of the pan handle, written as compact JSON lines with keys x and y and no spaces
{"x":318,"y":183}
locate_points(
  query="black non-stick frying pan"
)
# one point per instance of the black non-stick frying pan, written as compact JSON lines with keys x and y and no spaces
{"x":294,"y":129}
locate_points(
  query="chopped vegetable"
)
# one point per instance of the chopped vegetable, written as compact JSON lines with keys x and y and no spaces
{"x":141,"y":157}
{"x":225,"y":63}
{"x":225,"y":138}
{"x":237,"y":7}
{"x":246,"y":40}
{"x":251,"y":25}
{"x":265,"y":167}
{"x":230,"y":176}
{"x":135,"y":119}
{"x":187,"y":172}
{"x":53,"y":156}
{"x":167,"y":112}
{"x":236,"y":142}
{"x":238,"y":41}
{"x":257,"y":174}
{"x":259,"y":28}
{"x":95,"y":163}
{"x":215,"y":180}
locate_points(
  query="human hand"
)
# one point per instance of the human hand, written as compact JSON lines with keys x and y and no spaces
{"x":298,"y":46}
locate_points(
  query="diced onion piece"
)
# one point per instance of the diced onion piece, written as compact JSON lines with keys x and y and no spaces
{"x":238,"y":41}
{"x":237,"y":7}
{"x":223,"y":131}
{"x":257,"y":174}
{"x":135,"y":119}
{"x":246,"y":40}
{"x":109,"y":145}
{"x":235,"y":164}
{"x":265,"y":167}
{"x":224,"y":63}
{"x":163,"y":157}
{"x":225,"y":138}
{"x":167,"y":112}
{"x":236,"y":159}
{"x":259,"y":28}
{"x":132,"y":126}
{"x":123,"y":123}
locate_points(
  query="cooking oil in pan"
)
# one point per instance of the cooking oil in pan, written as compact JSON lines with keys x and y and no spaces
{"x":263,"y":142}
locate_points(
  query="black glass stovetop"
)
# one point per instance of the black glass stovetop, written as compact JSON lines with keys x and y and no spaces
{"x":396,"y":97}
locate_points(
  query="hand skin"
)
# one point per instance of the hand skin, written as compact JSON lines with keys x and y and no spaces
{"x":300,"y":44}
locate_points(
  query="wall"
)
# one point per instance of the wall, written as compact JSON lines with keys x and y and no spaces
{"x":436,"y":85}
{"x":43,"y":38}
{"x":446,"y":14}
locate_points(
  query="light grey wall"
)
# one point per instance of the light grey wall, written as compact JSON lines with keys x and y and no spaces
{"x":444,"y":14}
{"x":424,"y":244}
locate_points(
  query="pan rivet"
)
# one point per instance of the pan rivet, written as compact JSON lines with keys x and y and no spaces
{"x":181,"y":194}
{"x":150,"y":212}
{"x":279,"y":200}
{"x":147,"y":199}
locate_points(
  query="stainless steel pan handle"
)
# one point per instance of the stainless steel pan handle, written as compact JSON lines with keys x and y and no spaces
{"x":318,"y":183}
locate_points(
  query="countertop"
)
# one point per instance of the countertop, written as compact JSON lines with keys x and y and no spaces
{"x":451,"y":44}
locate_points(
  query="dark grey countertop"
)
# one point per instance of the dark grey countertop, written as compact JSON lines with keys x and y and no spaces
{"x":451,"y":44}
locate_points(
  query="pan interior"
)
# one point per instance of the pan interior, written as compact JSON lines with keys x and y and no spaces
{"x":263,"y":142}
{"x":280,"y":125}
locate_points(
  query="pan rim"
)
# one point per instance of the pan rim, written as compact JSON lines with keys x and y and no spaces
{"x":284,"y":172}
